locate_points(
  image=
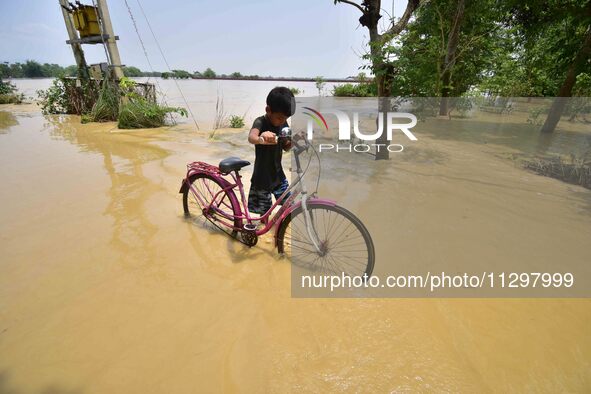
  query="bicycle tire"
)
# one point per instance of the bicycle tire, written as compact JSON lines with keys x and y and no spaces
{"x":365,"y":263}
{"x":228,"y":197}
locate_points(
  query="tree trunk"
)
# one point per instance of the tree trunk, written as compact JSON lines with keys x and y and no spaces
{"x":566,"y":90}
{"x":450,"y":58}
{"x":382,"y":69}
{"x":382,"y":77}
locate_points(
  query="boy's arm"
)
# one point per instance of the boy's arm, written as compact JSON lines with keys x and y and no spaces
{"x":257,"y":138}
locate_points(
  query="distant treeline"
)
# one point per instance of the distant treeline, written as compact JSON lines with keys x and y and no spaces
{"x":33,"y":69}
{"x":208,"y":73}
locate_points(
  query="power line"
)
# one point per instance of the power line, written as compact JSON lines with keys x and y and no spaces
{"x":166,"y":62}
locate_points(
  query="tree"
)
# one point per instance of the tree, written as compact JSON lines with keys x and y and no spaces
{"x":181,"y":74}
{"x":320,"y":84}
{"x":4,"y":70}
{"x":236,"y":75}
{"x":16,"y":70}
{"x":450,"y":56}
{"x":209,"y":73}
{"x":32,"y":69}
{"x":574,"y":69}
{"x":131,"y":71}
{"x":557,"y":35}
{"x":71,"y":71}
{"x":380,"y":64}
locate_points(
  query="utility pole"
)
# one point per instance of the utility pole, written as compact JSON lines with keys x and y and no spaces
{"x":111,"y":43}
{"x":74,"y":41}
{"x":87,"y":24}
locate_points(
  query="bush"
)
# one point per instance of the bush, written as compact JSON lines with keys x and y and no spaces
{"x":106,"y":108}
{"x":8,"y":94}
{"x":64,"y":97}
{"x":577,"y":172}
{"x":139,"y":113}
{"x":295,"y":91}
{"x":7,"y":88}
{"x":209,"y":73}
{"x":236,"y":121}
{"x":359,"y":90}
{"x":12,"y":98}
{"x":55,"y":99}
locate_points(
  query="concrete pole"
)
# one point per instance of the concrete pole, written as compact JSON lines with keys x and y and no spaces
{"x":76,"y":47}
{"x":107,"y":27}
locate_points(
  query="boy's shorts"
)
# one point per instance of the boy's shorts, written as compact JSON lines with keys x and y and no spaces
{"x":259,"y":201}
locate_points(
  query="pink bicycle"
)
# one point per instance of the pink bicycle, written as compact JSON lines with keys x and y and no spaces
{"x":311,"y":231}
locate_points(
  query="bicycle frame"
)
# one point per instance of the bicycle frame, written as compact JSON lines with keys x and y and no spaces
{"x":288,"y":204}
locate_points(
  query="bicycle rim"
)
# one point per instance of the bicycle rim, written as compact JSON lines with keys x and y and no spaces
{"x":346,"y":244}
{"x":206,"y":190}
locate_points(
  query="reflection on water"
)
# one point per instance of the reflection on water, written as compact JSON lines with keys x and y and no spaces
{"x":104,"y":287}
{"x":512,"y":132}
{"x":123,"y":160}
{"x":7,"y":119}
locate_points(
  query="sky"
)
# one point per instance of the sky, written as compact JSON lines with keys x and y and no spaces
{"x":306,"y":38}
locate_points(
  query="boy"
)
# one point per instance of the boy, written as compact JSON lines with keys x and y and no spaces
{"x":268,"y":176}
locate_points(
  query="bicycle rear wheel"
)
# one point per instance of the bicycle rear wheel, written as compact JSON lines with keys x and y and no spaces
{"x":205,"y":189}
{"x":346,"y":245}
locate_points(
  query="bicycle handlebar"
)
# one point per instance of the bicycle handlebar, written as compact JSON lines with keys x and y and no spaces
{"x":286,"y":132}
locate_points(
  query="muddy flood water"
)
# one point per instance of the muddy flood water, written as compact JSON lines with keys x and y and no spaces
{"x":106,"y":288}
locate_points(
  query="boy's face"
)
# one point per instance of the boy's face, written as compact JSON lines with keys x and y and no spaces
{"x":277,"y":118}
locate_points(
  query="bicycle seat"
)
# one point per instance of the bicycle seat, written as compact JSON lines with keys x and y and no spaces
{"x":232,"y":164}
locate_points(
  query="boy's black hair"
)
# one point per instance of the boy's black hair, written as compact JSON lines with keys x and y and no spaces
{"x":281,"y":99}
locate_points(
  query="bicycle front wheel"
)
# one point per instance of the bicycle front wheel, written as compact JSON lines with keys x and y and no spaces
{"x":344,"y":242}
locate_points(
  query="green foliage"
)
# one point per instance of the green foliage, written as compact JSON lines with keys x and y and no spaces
{"x":138,"y":113}
{"x":131,"y":71}
{"x":34,"y":69}
{"x":295,"y":91}
{"x":505,"y":48}
{"x":580,"y":105}
{"x":355,"y":90}
{"x":236,"y":121}
{"x":12,"y":98}
{"x":320,"y":84}
{"x":106,"y":107}
{"x":421,"y":49}
{"x":181,"y":74}
{"x":67,"y":96}
{"x":236,"y":75}
{"x":55,"y":99}
{"x":4,"y":70}
{"x":209,"y":73}
{"x":70,"y":71}
{"x":6,"y":87}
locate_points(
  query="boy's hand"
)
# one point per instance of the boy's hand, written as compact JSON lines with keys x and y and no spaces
{"x":268,"y":137}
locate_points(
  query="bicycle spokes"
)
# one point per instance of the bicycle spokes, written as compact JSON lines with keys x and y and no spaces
{"x":342,"y":246}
